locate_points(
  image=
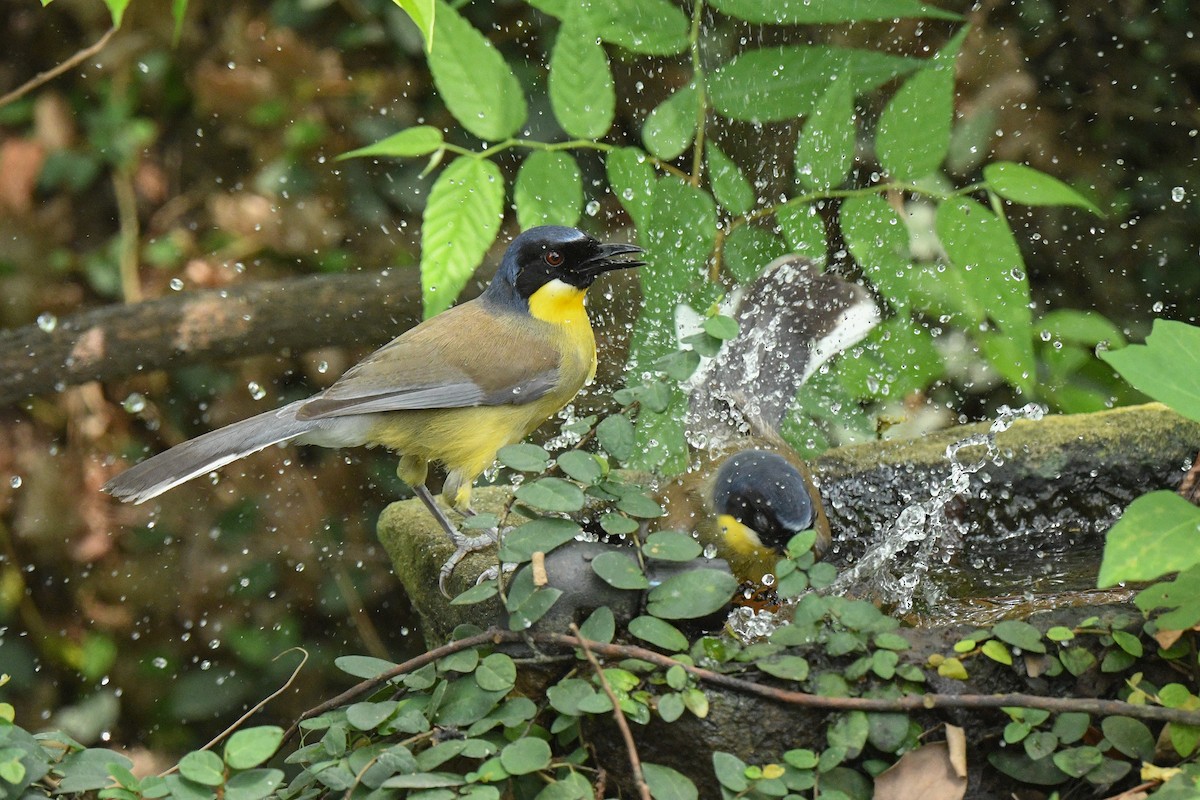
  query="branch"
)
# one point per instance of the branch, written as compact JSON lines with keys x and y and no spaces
{"x":910,"y":702}
{"x":635,"y":763}
{"x":121,"y":340}
{"x":50,"y":74}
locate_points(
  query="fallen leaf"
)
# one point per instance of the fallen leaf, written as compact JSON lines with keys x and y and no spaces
{"x":956,"y":739}
{"x":1167,"y":638}
{"x":927,"y":773}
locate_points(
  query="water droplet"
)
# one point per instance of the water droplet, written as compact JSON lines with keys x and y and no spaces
{"x":47,"y":321}
{"x":134,"y":403}
{"x":1178,"y":193}
{"x":592,"y":208}
{"x":15,"y":481}
{"x":176,"y":284}
{"x":256,"y":391}
{"x":323,"y":367}
{"x":159,"y":662}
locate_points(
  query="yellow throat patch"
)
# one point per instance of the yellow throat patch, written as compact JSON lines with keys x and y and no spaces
{"x":740,"y":539}
{"x":559,"y":302}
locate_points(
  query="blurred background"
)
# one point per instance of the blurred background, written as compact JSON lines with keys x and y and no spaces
{"x":209,"y":164}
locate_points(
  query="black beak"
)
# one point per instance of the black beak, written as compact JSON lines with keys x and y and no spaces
{"x":606,"y":256}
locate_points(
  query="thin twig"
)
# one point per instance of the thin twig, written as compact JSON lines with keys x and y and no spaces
{"x":54,"y":72}
{"x":257,"y":706}
{"x":635,"y":763}
{"x":910,"y":702}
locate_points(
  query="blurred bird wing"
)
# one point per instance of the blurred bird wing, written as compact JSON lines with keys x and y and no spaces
{"x":462,"y":357}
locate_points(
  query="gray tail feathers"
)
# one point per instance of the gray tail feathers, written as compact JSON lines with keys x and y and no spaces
{"x":205,"y":453}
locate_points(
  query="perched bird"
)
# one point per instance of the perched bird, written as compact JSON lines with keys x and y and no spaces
{"x":454,"y":389}
{"x":748,"y":492}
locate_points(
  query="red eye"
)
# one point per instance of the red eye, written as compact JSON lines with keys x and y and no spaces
{"x":553,"y":258}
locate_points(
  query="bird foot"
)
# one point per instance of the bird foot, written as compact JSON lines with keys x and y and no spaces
{"x":463,"y":546}
{"x":495,"y":571}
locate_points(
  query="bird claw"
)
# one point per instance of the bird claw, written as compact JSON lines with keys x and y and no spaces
{"x":465,"y":545}
{"x":495,"y":571}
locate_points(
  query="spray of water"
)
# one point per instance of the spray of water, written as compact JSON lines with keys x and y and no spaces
{"x":896,"y":569}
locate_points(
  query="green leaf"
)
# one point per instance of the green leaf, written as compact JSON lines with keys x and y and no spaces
{"x":1078,"y":761}
{"x":849,"y":732}
{"x":1159,"y":533}
{"x":648,"y":27}
{"x":1166,"y":367}
{"x":913,"y":134}
{"x":253,"y":784}
{"x":1184,"y":738}
{"x":1129,"y":736}
{"x":1028,"y":186}
{"x":618,"y":569}
{"x":671,"y":126}
{"x":636,"y":504}
{"x":203,"y":766}
{"x":772,"y":84}
{"x":551,"y":494}
{"x":1020,"y":634}
{"x":1077,"y":660}
{"x":691,"y":594}
{"x":879,"y":243}
{"x":363,"y":666}
{"x":631,"y":177}
{"x":887,"y":732}
{"x":524,"y":457}
{"x":996,"y":651}
{"x":581,"y":84}
{"x":667,"y":784}
{"x":525,"y":755}
{"x":659,"y":633}
{"x":539,"y":535}
{"x":792,"y":668}
{"x":251,"y":747}
{"x":474,"y":80}
{"x":116,"y":9}
{"x":581,"y":466}
{"x":1040,"y":744}
{"x":1018,"y":765}
{"x":671,"y":546}
{"x":1182,"y":595}
{"x":1071,"y":726}
{"x":618,"y":524}
{"x":600,"y":626}
{"x":803,"y":230}
{"x":729,"y":186}
{"x":421,"y":12}
{"x":981,"y":245}
{"x":615,"y":435}
{"x":721,"y":327}
{"x":496,"y":673}
{"x":178,"y":13}
{"x":1128,"y":642}
{"x":730,"y":771}
{"x":532,"y":607}
{"x":461,"y":219}
{"x":748,"y":249}
{"x":825,"y":149}
{"x":818,"y":12}
{"x":420,"y":140}
{"x":549,"y":190}
{"x":1087,"y":328}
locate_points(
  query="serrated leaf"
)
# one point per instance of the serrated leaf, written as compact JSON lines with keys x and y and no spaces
{"x":818,"y":12}
{"x":419,"y":140}
{"x":670,"y":128}
{"x":461,"y":219}
{"x":879,"y":243}
{"x":549,"y":190}
{"x":691,"y":594}
{"x":772,"y":84}
{"x":473,"y":79}
{"x":581,"y":84}
{"x":981,"y":245}
{"x":803,"y":230}
{"x":1156,"y":535}
{"x":632,"y":178}
{"x":1028,"y":186}
{"x":913,"y":134}
{"x":421,"y":12}
{"x":729,"y":186}
{"x":648,"y":27}
{"x":825,"y":148}
{"x":1166,"y":367}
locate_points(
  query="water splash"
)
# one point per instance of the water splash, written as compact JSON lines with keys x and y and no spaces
{"x":896,"y":569}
